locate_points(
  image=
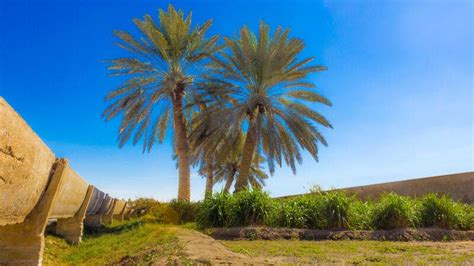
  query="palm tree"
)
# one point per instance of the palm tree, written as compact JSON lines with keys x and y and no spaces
{"x":267,"y":91}
{"x":206,"y":167}
{"x":165,"y":61}
{"x":226,"y":173}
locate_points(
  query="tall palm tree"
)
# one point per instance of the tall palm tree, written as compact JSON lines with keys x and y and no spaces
{"x":165,"y":61}
{"x":268,"y":92}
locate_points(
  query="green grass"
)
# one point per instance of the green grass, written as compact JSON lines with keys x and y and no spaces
{"x":356,"y":252}
{"x":111,"y":243}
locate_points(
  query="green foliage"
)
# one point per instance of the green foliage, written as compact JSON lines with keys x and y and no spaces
{"x":251,"y":207}
{"x":216,"y":211}
{"x":335,"y":208}
{"x":174,"y":212}
{"x":144,"y":206}
{"x":445,"y":213}
{"x":185,"y":210}
{"x":395,"y":211}
{"x":241,"y":209}
{"x":467,"y":217}
{"x":163,"y":62}
{"x":360,"y":215}
{"x":301,"y":212}
{"x":111,"y":243}
{"x":261,"y":81}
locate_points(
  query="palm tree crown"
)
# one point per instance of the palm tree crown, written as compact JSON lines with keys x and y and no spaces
{"x":266,"y":93}
{"x":164,"y":63}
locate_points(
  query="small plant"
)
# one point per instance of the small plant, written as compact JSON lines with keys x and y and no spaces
{"x":394,"y":211}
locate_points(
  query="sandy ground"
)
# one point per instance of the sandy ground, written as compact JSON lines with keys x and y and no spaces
{"x":203,"y":249}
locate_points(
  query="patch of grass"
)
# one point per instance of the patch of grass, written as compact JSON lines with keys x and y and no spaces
{"x":112,"y":243}
{"x":355,"y":252}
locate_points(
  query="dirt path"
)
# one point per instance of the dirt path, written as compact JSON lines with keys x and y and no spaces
{"x":204,"y":249}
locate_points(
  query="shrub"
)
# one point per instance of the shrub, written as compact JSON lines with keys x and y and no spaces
{"x":335,"y":209}
{"x":143,"y":206}
{"x":360,"y":215}
{"x":466,"y":217}
{"x":164,"y":213}
{"x":250,"y":207}
{"x":440,"y":211}
{"x":185,"y":210}
{"x":216,"y":211}
{"x":394,"y":211}
{"x":288,"y":213}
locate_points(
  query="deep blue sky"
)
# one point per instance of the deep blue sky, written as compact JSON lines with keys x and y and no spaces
{"x":400,"y":77}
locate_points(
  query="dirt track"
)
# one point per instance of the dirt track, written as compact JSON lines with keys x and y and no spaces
{"x":204,"y":249}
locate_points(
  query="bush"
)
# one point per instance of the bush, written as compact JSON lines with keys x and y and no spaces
{"x":314,"y":211}
{"x":216,"y":211}
{"x":467,"y":217}
{"x":439,"y":211}
{"x":335,"y":209}
{"x":360,"y":215}
{"x":174,"y":212}
{"x":394,"y":211}
{"x":144,"y":206}
{"x":288,"y":213}
{"x":250,"y":207}
{"x":185,"y":210}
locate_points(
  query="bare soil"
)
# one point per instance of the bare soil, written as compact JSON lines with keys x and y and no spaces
{"x":203,"y":249}
{"x":407,"y":234}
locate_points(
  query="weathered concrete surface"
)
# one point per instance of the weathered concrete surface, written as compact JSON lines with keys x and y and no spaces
{"x":23,"y":243}
{"x":93,"y":221}
{"x":71,"y":195}
{"x":457,"y":186}
{"x":106,"y":207}
{"x":116,"y":211}
{"x":128,"y":212}
{"x":121,"y":215}
{"x":119,"y":206}
{"x":25,"y":166}
{"x":96,"y":201}
{"x":72,"y":228}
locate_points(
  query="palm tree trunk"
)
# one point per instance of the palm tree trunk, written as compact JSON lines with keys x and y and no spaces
{"x":230,"y":180}
{"x":251,"y":141}
{"x":209,"y":180}
{"x":182,"y":146}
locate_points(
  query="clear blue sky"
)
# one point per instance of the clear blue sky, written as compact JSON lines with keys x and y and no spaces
{"x":400,"y":77}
